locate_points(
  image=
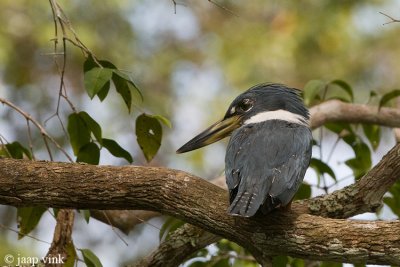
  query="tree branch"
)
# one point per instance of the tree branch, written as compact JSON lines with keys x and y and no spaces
{"x":392,"y":20}
{"x":202,"y":204}
{"x":62,"y":238}
{"x":349,"y":201}
{"x":338,"y":111}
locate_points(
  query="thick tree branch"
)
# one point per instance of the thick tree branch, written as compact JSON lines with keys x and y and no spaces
{"x":126,"y":220}
{"x":363,"y":196}
{"x":202,"y":204}
{"x":338,"y":111}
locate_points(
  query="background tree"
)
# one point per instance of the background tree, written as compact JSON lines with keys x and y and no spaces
{"x":185,"y":65}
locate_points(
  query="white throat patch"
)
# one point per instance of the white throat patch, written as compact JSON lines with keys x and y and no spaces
{"x":279,"y":114}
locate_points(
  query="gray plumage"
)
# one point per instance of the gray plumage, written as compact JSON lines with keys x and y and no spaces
{"x":265,"y":164}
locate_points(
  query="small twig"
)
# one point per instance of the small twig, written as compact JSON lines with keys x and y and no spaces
{"x":113,"y":228}
{"x":42,"y":130}
{"x":3,"y":138}
{"x":60,"y":20}
{"x":223,"y":8}
{"x":16,"y":231}
{"x":392,"y":20}
{"x":338,"y":138}
{"x":30,"y":139}
{"x":174,"y":2}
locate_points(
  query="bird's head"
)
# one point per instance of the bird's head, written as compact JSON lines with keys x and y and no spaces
{"x":258,"y":104}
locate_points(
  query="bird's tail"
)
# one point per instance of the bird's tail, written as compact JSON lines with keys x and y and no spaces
{"x":245,"y":204}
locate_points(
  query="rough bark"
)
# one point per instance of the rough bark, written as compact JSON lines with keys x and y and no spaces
{"x":202,"y":204}
{"x":62,"y":239}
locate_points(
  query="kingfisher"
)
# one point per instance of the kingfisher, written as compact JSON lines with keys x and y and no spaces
{"x":269,"y":149}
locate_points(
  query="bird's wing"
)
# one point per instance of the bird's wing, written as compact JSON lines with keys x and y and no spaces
{"x":265,"y":165}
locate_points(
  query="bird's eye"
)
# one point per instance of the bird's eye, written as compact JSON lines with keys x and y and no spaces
{"x":245,"y":105}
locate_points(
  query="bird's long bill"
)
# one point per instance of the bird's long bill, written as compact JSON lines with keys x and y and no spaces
{"x":212,"y":134}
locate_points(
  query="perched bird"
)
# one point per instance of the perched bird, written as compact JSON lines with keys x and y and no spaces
{"x":269,"y":150}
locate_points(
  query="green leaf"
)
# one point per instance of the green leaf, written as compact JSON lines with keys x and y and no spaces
{"x":331,"y":264}
{"x":131,"y":84}
{"x":149,"y":134}
{"x":221,"y":263}
{"x":304,"y":192}
{"x":86,"y":215}
{"x":162,"y":119}
{"x":28,"y":218}
{"x":311,"y":90}
{"x":129,"y":80}
{"x":345,"y":86}
{"x":89,"y":64}
{"x":280,"y":261}
{"x":362,"y":162}
{"x":373,"y":133}
{"x":124,"y":89}
{"x":95,"y":79}
{"x":393,"y":201}
{"x":17,"y":151}
{"x":372,"y":94}
{"x":102,"y":94}
{"x":92,"y":125}
{"x":116,"y":150}
{"x":296,"y":262}
{"x":321,"y":168}
{"x":339,"y":127}
{"x":198,"y":264}
{"x":71,"y":252}
{"x":244,"y":263}
{"x":89,"y":153}
{"x":90,"y":258}
{"x":107,"y":64}
{"x":78,"y":131}
{"x":389,"y":96}
{"x":394,"y":204}
{"x":55,"y":211}
{"x":344,"y":131}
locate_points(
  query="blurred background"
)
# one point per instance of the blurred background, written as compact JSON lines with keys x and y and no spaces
{"x":190,"y":61}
